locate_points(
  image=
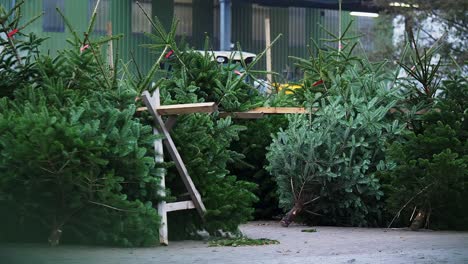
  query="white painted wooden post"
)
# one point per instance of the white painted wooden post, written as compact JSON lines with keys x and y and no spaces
{"x":268,"y":51}
{"x":159,"y":158}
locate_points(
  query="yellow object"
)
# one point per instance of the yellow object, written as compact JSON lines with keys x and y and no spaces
{"x":290,"y":86}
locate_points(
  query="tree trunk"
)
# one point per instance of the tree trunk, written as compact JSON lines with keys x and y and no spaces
{"x":291,"y":215}
{"x":419,"y":220}
{"x":54,"y":237}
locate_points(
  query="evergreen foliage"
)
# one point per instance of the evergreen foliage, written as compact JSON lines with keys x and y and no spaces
{"x":204,"y":145}
{"x":252,"y":144}
{"x":73,"y":158}
{"x":325,"y":163}
{"x":204,"y":140}
{"x":17,"y":54}
{"x":210,"y":81}
{"x":327,"y":166}
{"x":430,"y":168}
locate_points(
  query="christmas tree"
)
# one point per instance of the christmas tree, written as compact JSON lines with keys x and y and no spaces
{"x":74,"y":159}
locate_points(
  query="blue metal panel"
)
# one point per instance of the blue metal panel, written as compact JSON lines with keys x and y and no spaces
{"x":52,"y":22}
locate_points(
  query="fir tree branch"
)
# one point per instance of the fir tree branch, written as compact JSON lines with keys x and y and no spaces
{"x":112,"y":207}
{"x":13,"y":46}
{"x":409,"y":201}
{"x":96,"y":57}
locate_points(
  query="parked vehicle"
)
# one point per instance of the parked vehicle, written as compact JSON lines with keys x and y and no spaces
{"x":223,"y":57}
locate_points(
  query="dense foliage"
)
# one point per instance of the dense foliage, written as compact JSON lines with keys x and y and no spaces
{"x":430,"y":171}
{"x":252,"y":144}
{"x":77,"y":163}
{"x":90,"y":172}
{"x":198,"y":74}
{"x":325,"y":163}
{"x":204,"y":142}
{"x":16,"y":71}
{"x":73,"y":158}
{"x":72,"y":150}
{"x":327,"y":166}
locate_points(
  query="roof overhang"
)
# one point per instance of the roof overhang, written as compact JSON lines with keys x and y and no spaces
{"x":349,"y":5}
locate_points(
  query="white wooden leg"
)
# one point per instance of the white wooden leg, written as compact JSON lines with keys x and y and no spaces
{"x":159,"y":158}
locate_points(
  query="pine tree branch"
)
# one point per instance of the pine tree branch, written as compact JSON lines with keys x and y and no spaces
{"x":311,"y":201}
{"x":101,"y":66}
{"x":13,"y":47}
{"x":112,"y":207}
{"x":409,"y":201}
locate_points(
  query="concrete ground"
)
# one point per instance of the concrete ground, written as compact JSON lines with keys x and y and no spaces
{"x":327,"y":245}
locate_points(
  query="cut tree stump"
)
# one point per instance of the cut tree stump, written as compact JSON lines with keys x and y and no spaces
{"x":419,"y":220}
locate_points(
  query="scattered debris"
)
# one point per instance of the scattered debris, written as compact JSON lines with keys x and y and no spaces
{"x":311,"y":230}
{"x":241,"y":241}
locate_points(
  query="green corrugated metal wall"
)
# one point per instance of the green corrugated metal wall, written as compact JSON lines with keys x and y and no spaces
{"x":297,"y":25}
{"x":120,"y":14}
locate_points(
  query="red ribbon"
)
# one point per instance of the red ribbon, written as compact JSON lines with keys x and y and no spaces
{"x":317,"y":83}
{"x":12,"y":33}
{"x":237,"y":72}
{"x":169,"y":54}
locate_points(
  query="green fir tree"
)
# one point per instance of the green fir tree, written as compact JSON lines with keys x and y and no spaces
{"x":74,"y":159}
{"x":428,"y":182}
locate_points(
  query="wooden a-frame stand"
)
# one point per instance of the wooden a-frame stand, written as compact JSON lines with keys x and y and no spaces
{"x":153,"y":105}
{"x":160,"y":128}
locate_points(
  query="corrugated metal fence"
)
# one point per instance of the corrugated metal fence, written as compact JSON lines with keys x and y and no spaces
{"x":197,"y":19}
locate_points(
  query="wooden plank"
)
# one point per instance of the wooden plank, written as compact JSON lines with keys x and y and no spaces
{"x":159,"y":158}
{"x":184,"y":205}
{"x":110,"y":48}
{"x":176,"y":109}
{"x":279,"y":110}
{"x":179,"y":109}
{"x":268,"y":51}
{"x":260,"y":111}
{"x":241,"y":115}
{"x":170,"y":146}
{"x":286,"y":110}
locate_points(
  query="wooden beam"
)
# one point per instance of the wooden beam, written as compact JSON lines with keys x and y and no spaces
{"x":185,"y":205}
{"x":260,"y":111}
{"x":241,"y":115}
{"x":278,"y":110}
{"x":268,"y":50}
{"x":178,"y":109}
{"x":211,"y":107}
{"x":171,"y":148}
{"x":159,"y":158}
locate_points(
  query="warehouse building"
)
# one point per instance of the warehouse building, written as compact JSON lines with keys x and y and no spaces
{"x":225,"y":22}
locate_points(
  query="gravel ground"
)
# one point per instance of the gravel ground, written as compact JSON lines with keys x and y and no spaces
{"x":327,"y":245}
